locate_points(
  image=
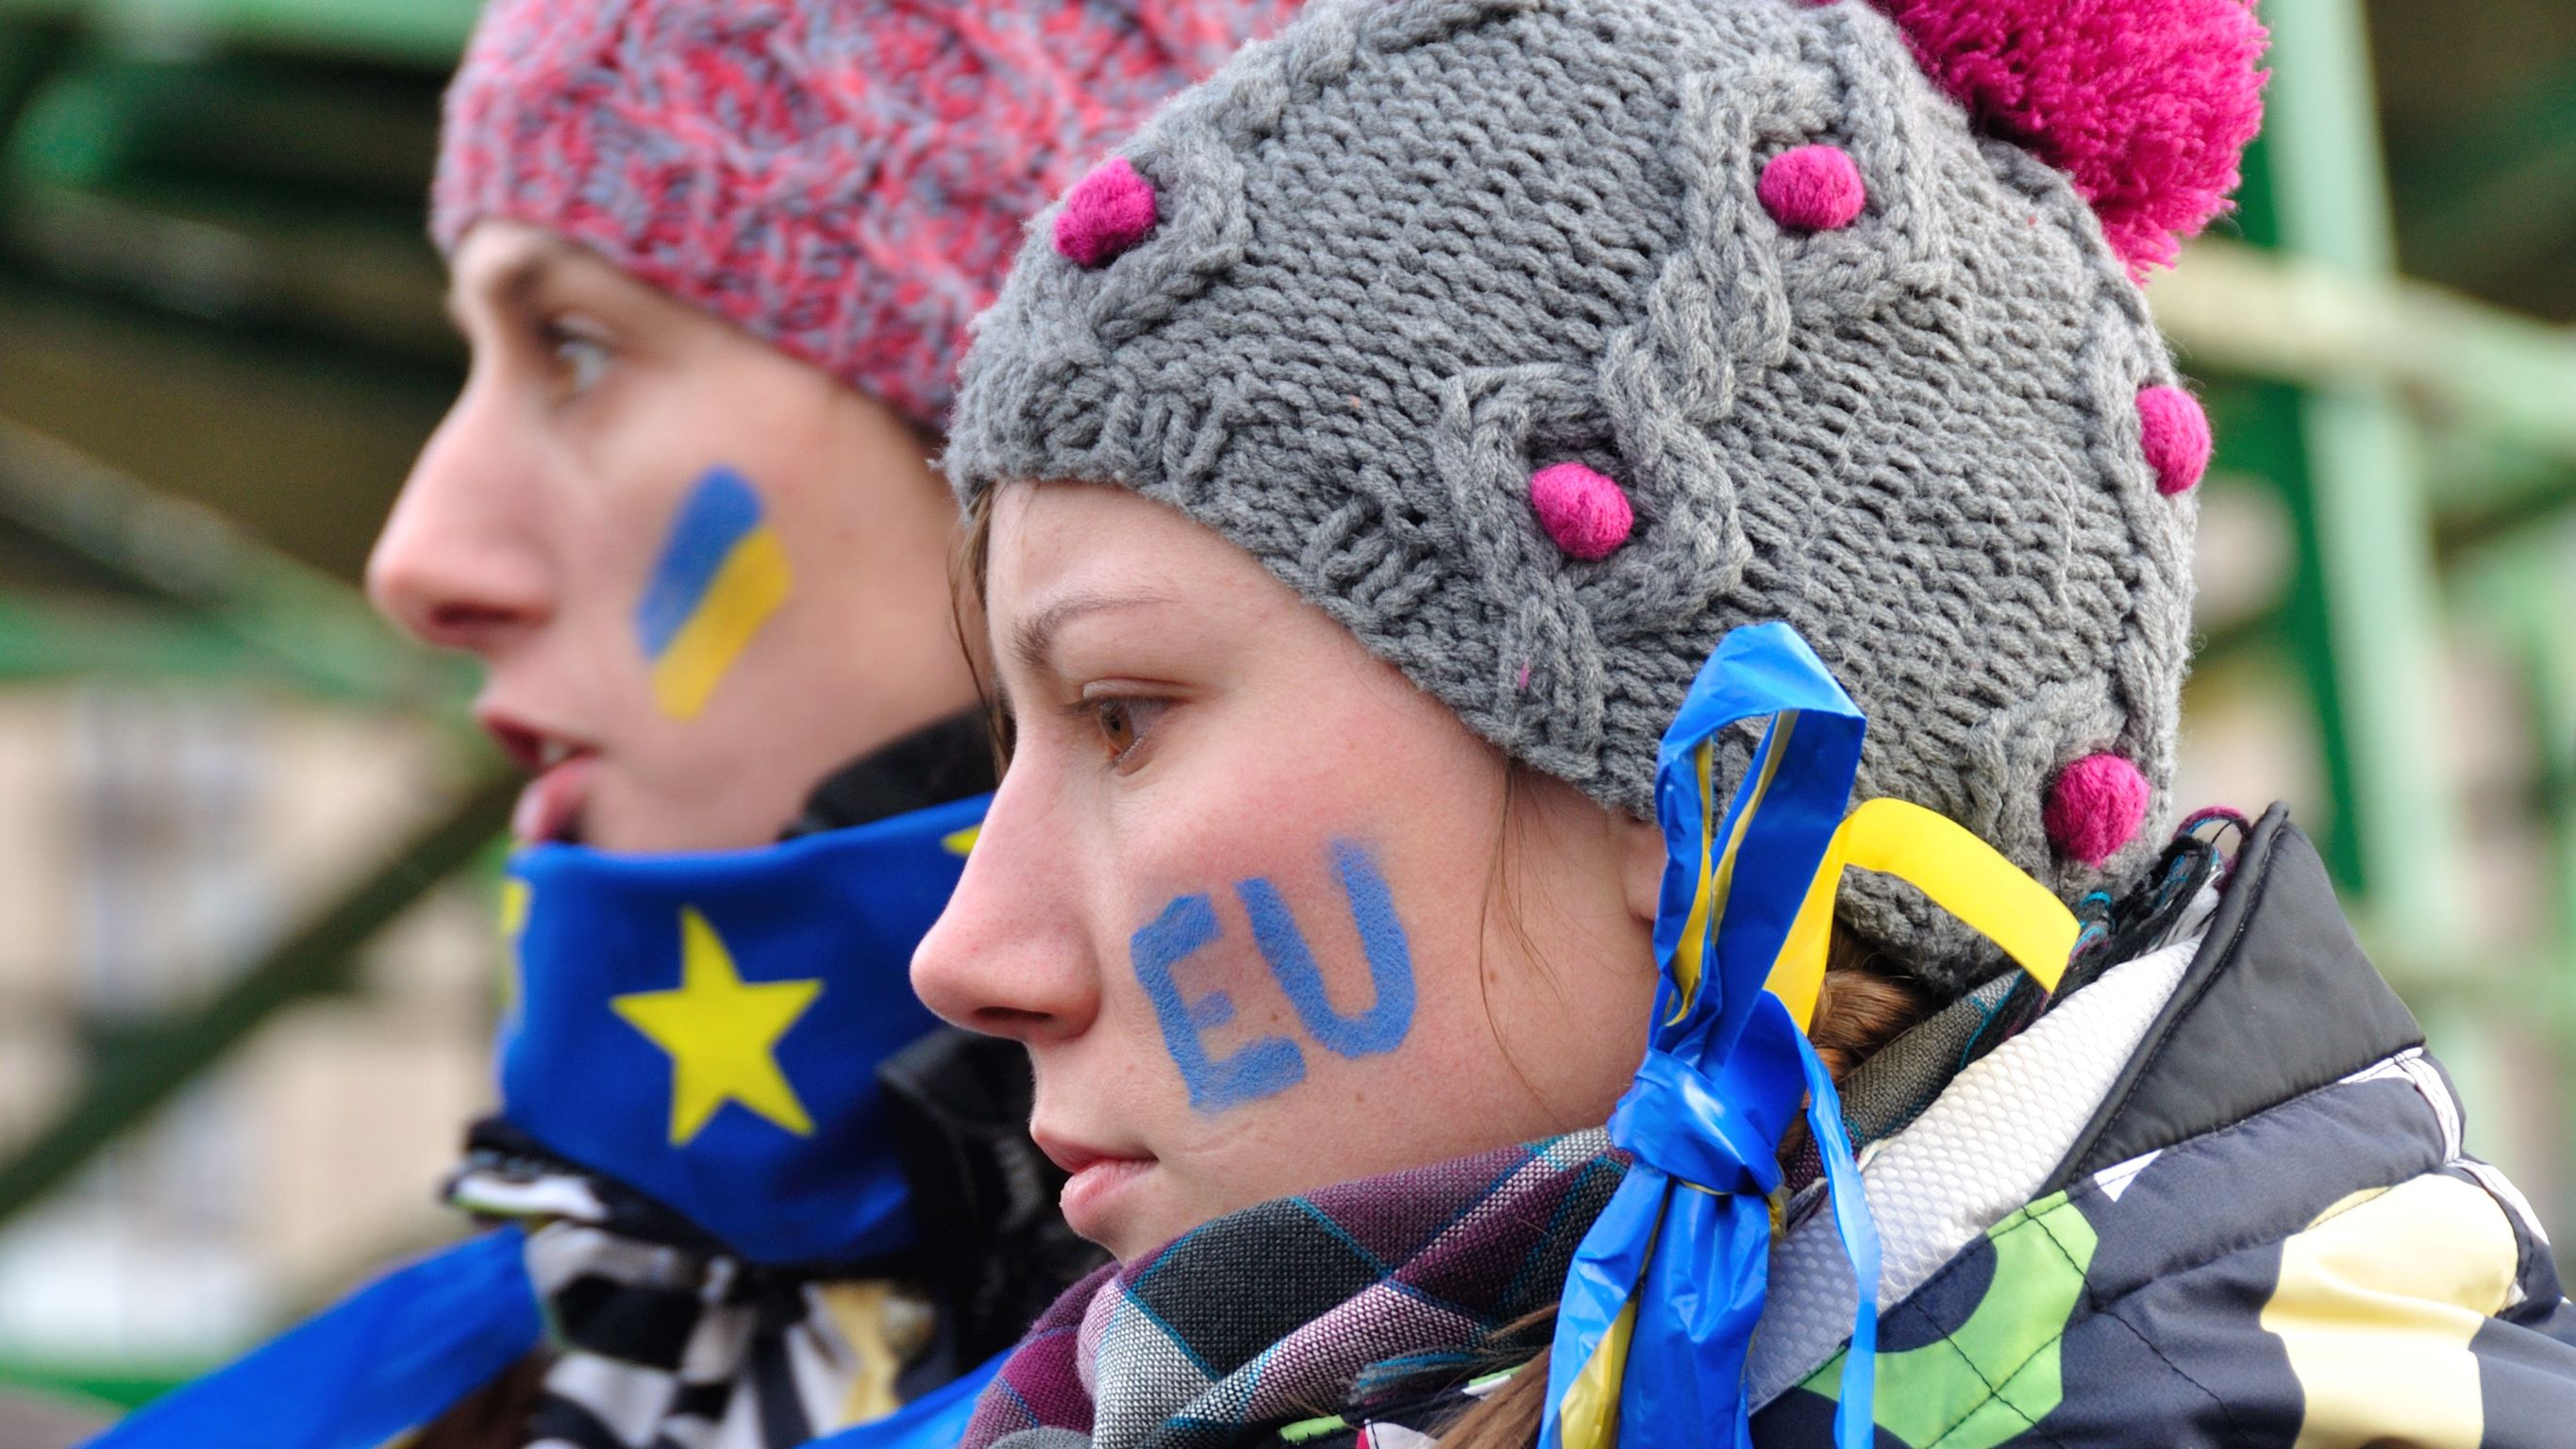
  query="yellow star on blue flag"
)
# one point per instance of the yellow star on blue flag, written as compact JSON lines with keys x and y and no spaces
{"x":722,"y":1034}
{"x":655,"y":1043}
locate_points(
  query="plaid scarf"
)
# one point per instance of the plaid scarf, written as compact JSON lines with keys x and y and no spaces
{"x":1363,"y":1294}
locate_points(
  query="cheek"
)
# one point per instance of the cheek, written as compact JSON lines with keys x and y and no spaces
{"x":1277,"y":910}
{"x":1204,"y":1003}
{"x":718,"y":575}
{"x":1253,"y":991}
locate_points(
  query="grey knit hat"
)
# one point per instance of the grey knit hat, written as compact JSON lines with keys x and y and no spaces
{"x":1541,"y":342}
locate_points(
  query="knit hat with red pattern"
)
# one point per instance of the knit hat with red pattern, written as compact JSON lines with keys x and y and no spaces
{"x":845,"y":179}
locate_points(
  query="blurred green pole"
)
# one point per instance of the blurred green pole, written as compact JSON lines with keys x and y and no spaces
{"x":2553,"y":643}
{"x":2372,"y":633}
{"x":2550,"y":659}
{"x":2550,"y":646}
{"x":2523,"y":593}
{"x":140,"y":1066}
{"x":2543,"y":590}
{"x":2368,"y":531}
{"x":306,"y":625}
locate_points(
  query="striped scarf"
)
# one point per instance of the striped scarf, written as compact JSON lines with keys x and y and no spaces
{"x":659,"y":1344}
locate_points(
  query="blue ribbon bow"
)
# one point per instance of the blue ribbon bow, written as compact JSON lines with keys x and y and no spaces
{"x":1661,"y":1301}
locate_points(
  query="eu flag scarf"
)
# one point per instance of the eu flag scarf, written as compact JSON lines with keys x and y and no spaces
{"x":706,"y":1029}
{"x":691,"y":1120}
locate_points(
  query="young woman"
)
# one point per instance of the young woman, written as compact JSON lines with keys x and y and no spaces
{"x":714,"y":259}
{"x":1366,"y":461}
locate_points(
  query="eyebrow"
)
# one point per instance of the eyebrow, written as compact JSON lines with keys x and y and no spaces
{"x":1033,"y":639}
{"x":515,"y":281}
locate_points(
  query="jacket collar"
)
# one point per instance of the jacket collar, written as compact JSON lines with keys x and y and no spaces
{"x":2279,"y":1001}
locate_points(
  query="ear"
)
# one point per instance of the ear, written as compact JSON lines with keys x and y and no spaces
{"x":1641,"y":865}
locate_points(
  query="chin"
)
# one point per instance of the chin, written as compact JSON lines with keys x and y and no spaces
{"x":1154,"y":1220}
{"x":653,"y":828}
{"x":1140,"y":1243}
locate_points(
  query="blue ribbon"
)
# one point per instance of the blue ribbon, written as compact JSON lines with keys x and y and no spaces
{"x":936,"y":1420}
{"x":1683,"y":1251}
{"x":387,"y":1358}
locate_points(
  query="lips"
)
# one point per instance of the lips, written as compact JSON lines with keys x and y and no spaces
{"x":550,"y":808}
{"x":552,"y":805}
{"x":1100,"y":1178}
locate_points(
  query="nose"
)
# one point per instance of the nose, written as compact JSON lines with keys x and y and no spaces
{"x":460,"y":564}
{"x":1009,"y":957}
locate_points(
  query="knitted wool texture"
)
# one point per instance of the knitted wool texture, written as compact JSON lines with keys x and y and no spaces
{"x":1414,"y":251}
{"x":845,"y":179}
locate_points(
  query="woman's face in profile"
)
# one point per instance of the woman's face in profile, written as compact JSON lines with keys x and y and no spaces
{"x":1266,"y":915}
{"x":699,"y":573}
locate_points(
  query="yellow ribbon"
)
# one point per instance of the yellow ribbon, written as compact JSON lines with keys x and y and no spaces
{"x":1717,"y":878}
{"x":1941,"y":858}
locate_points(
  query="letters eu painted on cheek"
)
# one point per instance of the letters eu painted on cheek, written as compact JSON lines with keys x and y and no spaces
{"x":1269,"y":1065}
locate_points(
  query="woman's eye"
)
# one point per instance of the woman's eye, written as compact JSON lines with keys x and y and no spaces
{"x":579,"y":358}
{"x":1123,"y":722}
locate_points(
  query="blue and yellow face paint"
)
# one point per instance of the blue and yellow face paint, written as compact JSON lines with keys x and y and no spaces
{"x":721,"y":575}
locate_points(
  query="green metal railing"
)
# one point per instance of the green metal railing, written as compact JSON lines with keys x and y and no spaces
{"x":135,"y":1068}
{"x":2409,"y":434}
{"x":426,"y":33}
{"x":202,"y":598}
{"x":217,"y":597}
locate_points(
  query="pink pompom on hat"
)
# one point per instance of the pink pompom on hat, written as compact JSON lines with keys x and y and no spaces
{"x":844,"y":179}
{"x":2146,"y":105}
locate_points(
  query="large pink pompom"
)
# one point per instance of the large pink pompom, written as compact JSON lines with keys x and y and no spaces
{"x":2147,"y":104}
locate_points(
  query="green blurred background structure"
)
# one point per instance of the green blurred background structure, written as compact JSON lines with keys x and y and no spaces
{"x":221,"y":344}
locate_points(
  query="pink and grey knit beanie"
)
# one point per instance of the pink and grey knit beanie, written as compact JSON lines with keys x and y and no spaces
{"x":1542,"y":342}
{"x":845,"y":179}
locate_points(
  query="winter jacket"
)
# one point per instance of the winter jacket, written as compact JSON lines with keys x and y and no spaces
{"x":2218,"y":1198}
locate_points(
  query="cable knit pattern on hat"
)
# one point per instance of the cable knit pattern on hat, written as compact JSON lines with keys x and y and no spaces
{"x":845,"y":179}
{"x":1413,"y":252}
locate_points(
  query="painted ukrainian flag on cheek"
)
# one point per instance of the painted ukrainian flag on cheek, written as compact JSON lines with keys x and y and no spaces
{"x":721,"y":575}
